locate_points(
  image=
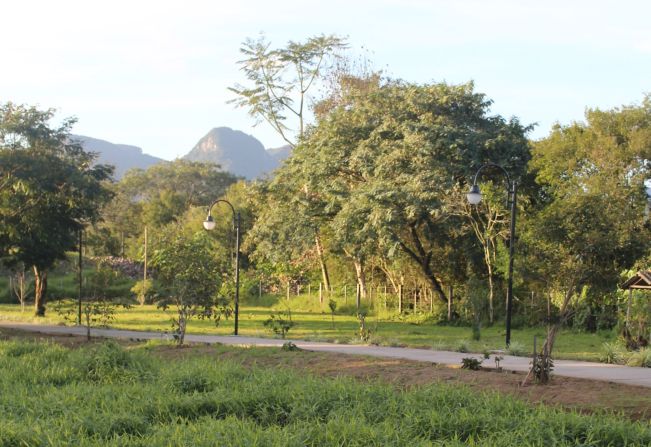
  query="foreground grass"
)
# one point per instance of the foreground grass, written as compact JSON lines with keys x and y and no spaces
{"x":106,"y":395}
{"x":313,"y":322}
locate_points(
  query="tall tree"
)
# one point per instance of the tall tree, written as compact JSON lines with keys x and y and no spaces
{"x":49,"y":190}
{"x":387,"y":164}
{"x":281,"y":78}
{"x":590,"y":225}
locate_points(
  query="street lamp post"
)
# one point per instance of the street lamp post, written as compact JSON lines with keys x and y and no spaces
{"x":209,"y":224}
{"x":474,"y":197}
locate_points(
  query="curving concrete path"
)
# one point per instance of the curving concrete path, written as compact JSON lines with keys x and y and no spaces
{"x":569,"y":368}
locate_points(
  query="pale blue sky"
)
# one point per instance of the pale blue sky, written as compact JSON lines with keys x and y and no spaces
{"x":155,"y":73}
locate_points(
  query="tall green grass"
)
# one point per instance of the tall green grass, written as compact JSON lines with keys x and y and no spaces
{"x":106,"y":395}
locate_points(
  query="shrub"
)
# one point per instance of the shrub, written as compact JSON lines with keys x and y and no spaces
{"x":613,"y":353}
{"x":462,"y":346}
{"x":517,"y":348}
{"x":109,"y":362}
{"x":471,"y":363}
{"x":640,"y":358}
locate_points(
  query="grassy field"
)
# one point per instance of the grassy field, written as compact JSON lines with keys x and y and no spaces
{"x":314,"y":322}
{"x":108,"y":395}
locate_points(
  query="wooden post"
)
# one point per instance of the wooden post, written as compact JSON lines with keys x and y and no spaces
{"x":298,"y":289}
{"x":260,"y":289}
{"x":287,"y":290}
{"x":628,"y":307}
{"x":309,"y":290}
{"x":415,"y":300}
{"x":321,"y":292}
{"x":345,"y":294}
{"x":450,"y":294}
{"x":144,"y":274}
{"x":400,"y":298}
{"x":431,"y":300}
{"x":385,"y":297}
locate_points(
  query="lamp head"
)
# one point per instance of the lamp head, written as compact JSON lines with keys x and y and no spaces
{"x":474,"y":196}
{"x":209,"y":223}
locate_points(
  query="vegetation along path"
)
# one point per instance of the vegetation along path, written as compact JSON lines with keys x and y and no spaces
{"x":568,"y":368}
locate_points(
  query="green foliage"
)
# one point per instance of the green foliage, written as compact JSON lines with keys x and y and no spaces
{"x":280,"y":322}
{"x":144,"y":291}
{"x":134,"y":398}
{"x":108,"y":362}
{"x":471,"y":363}
{"x":289,"y":346}
{"x":542,"y":368}
{"x":189,"y":276}
{"x":280,"y":78}
{"x":332,"y":305}
{"x":97,"y":307}
{"x":517,"y":348}
{"x":613,"y":353}
{"x":364,"y":330}
{"x":50,"y":188}
{"x":640,"y":358}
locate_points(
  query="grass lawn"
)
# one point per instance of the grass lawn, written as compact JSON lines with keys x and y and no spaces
{"x":314,"y":322}
{"x":154,"y":394}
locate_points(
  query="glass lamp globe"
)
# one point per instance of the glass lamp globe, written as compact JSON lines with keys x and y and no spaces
{"x":474,"y":196}
{"x":209,"y":223}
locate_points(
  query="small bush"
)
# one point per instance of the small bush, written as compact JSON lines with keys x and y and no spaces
{"x":462,"y":346}
{"x":640,"y":358}
{"x":289,"y":346}
{"x":110,"y":363}
{"x":613,"y":353}
{"x":471,"y":363}
{"x":518,"y":349}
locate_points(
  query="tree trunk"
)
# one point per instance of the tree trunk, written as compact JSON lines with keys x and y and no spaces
{"x":40,"y":291}
{"x":361,"y":277}
{"x":491,"y":286}
{"x":324,"y":267}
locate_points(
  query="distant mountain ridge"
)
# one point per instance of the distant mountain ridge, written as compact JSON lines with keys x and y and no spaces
{"x":234,"y":151}
{"x":122,"y":156}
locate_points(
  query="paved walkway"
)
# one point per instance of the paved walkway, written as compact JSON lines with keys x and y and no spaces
{"x":569,"y":368}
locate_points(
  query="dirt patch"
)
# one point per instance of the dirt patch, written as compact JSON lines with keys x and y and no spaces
{"x":578,"y":394}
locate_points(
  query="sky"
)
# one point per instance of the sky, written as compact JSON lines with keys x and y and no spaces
{"x":155,"y":74}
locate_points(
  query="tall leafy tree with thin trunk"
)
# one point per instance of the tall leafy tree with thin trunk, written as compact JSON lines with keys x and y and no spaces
{"x":49,"y":189}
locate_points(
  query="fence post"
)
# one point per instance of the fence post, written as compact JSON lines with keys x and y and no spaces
{"x":400,"y":298}
{"x":415,"y":300}
{"x":321,"y":292}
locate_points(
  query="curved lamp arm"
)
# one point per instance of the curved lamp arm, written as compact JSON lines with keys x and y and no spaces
{"x":209,"y":223}
{"x":474,"y":196}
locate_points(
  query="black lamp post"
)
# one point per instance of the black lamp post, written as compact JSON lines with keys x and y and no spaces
{"x":474,"y":197}
{"x":209,"y":224}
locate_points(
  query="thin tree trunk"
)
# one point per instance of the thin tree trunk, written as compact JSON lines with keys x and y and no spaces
{"x":491,"y":287}
{"x":361,"y":276}
{"x":324,"y":267}
{"x":40,"y":291}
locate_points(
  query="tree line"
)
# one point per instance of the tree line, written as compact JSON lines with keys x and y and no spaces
{"x":375,"y":186}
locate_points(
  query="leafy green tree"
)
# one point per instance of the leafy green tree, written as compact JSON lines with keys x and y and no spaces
{"x":189,"y":278}
{"x":590,"y":224}
{"x":157,"y":197}
{"x":388,"y":165}
{"x":50,"y":189}
{"x":281,"y":78}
